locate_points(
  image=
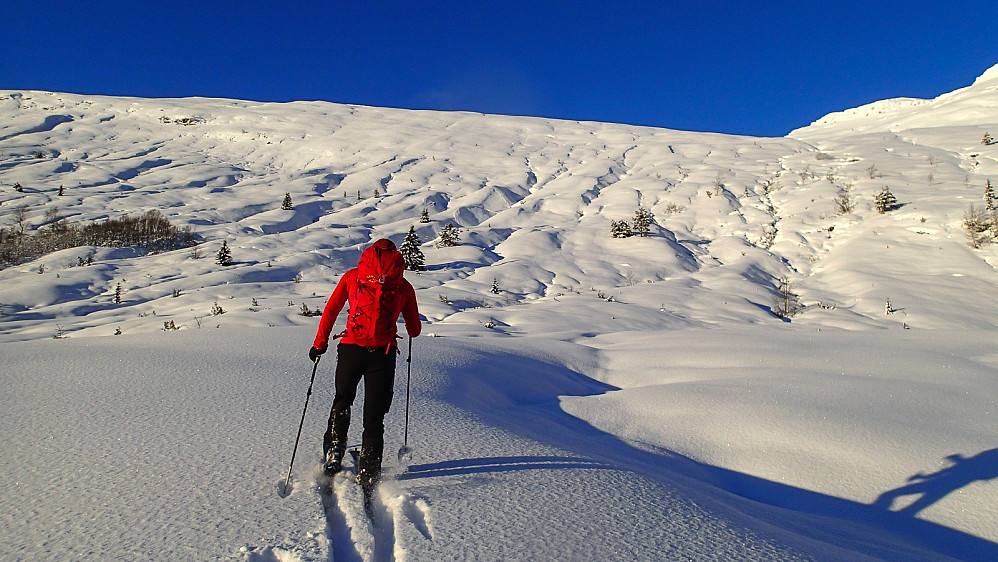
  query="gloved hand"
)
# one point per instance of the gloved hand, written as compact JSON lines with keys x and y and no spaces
{"x":314,"y":353}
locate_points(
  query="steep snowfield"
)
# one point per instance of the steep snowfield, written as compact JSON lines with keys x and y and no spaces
{"x":619,"y":398}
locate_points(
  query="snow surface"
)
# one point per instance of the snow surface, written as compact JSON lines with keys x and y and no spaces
{"x":619,"y":399}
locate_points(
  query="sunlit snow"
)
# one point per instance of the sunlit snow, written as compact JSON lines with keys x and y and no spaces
{"x":618,"y":399}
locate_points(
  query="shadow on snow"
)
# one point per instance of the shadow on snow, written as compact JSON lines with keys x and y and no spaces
{"x":494,"y":387}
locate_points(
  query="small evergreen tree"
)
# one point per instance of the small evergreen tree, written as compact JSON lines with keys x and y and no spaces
{"x":224,"y":255}
{"x":413,"y":256}
{"x":495,"y":286}
{"x":424,"y":217}
{"x":286,"y":205}
{"x":990,"y":210}
{"x":117,"y":294}
{"x":885,"y":201}
{"x":450,"y":235}
{"x":620,"y":229}
{"x":642,"y":221}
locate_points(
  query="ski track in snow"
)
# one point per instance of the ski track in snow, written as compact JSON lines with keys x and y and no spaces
{"x":343,"y":546}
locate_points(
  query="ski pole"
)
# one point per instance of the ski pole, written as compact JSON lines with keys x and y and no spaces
{"x":408,"y":380}
{"x":308,"y":395}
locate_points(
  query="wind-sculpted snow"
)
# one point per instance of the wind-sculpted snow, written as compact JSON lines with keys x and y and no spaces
{"x":732,"y":215}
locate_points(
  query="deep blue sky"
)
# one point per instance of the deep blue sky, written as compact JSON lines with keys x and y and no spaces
{"x":759,"y":68}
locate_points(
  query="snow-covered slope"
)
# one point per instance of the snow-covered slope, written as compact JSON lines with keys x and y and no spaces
{"x":742,"y":435}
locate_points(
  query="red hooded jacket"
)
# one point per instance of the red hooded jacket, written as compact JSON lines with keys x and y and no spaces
{"x":379,"y":262}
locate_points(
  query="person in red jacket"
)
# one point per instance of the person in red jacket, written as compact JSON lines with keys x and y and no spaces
{"x":367,"y":350}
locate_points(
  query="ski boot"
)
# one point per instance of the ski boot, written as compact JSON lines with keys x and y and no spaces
{"x":334,"y":460}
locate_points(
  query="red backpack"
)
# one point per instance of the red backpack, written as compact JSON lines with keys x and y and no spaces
{"x":373,"y":298}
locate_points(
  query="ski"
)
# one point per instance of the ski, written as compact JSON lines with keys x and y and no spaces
{"x":367,"y":490}
{"x":325,"y":485}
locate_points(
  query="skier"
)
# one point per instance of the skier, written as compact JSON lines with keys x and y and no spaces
{"x":367,"y":350}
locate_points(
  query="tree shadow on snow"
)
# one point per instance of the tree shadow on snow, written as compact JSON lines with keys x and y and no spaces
{"x":521,"y":395}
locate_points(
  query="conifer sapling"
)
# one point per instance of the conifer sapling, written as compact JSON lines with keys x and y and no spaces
{"x":413,"y":256}
{"x":224,"y":255}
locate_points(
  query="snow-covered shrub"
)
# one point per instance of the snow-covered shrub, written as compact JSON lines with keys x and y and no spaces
{"x":769,"y":233}
{"x":185,"y":121}
{"x":216,"y":310}
{"x":843,"y":204}
{"x":978,"y":223}
{"x":787,"y":302}
{"x":620,"y":229}
{"x":986,"y":139}
{"x":150,"y":231}
{"x":450,"y":235}
{"x":674,"y":209}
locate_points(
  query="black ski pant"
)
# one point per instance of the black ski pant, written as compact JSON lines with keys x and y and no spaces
{"x":376,"y":367}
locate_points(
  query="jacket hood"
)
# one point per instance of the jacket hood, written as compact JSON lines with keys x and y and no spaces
{"x":381,"y":263}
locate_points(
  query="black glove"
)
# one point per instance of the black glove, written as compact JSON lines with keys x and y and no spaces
{"x":314,"y":353}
